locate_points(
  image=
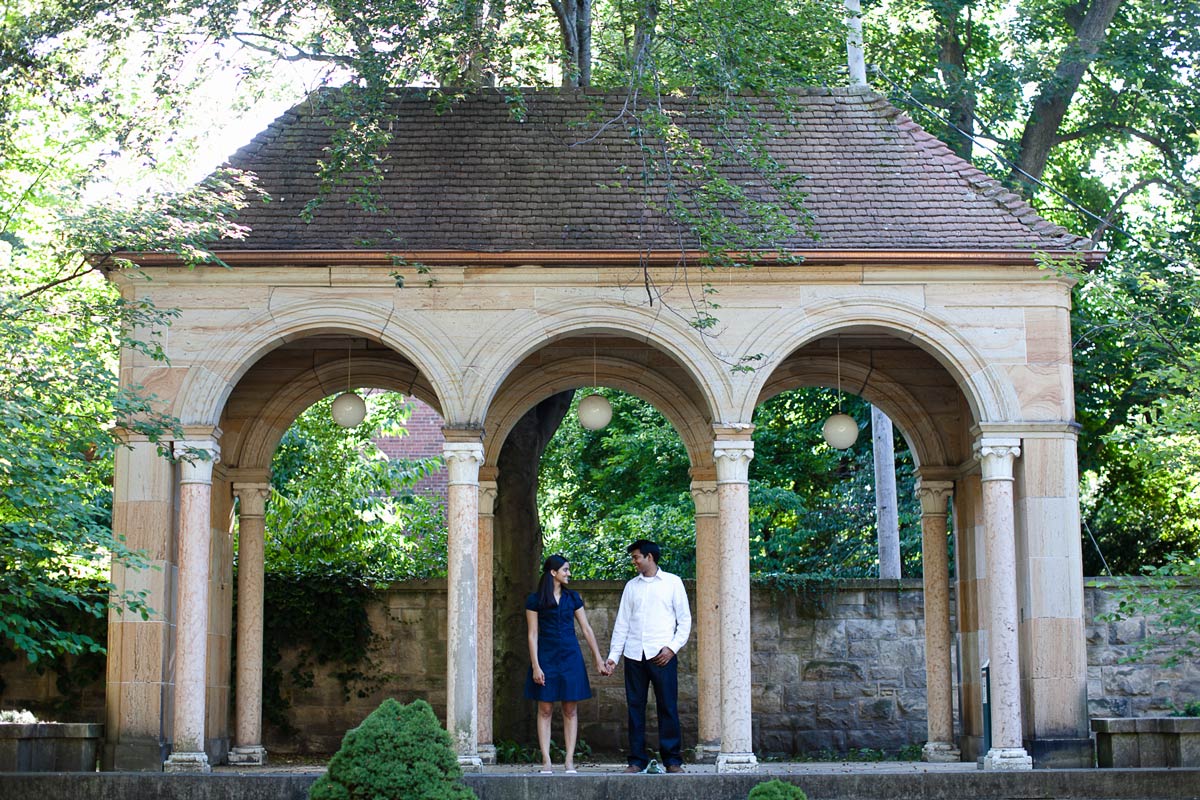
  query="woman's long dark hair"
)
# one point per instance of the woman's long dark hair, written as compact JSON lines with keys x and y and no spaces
{"x":545,"y":591}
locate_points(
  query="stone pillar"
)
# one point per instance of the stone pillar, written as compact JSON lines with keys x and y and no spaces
{"x":252,"y":504}
{"x":191,"y":630}
{"x":137,"y":699}
{"x":939,"y":684}
{"x":732,"y":452}
{"x":996,"y":457}
{"x":463,"y":454}
{"x":708,"y":621}
{"x":483,"y":613}
{"x":970,"y":587}
{"x":1050,"y":588}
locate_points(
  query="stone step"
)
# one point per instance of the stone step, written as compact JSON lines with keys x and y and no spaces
{"x":851,"y":784}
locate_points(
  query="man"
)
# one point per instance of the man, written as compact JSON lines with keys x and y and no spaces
{"x":653,"y":624}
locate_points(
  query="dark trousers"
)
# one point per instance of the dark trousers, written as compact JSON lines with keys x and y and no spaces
{"x":639,"y":677}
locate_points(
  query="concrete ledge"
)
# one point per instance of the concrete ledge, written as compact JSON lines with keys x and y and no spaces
{"x":1145,"y":784}
{"x":49,"y":746}
{"x":1129,"y":742}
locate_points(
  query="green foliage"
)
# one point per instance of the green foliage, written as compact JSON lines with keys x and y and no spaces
{"x":776,"y":789}
{"x":511,"y":752}
{"x":1167,"y":597}
{"x":1191,"y":709}
{"x":397,"y":751}
{"x":343,"y":522}
{"x":812,"y":508}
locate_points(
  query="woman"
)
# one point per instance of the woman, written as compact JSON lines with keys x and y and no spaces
{"x":556,"y":672}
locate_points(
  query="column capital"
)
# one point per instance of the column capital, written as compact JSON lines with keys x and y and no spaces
{"x":252,"y":498}
{"x":704,"y":496}
{"x":732,"y":458}
{"x":487,"y":498}
{"x":996,"y":456}
{"x":463,"y":460}
{"x":933,"y":495}
{"x":197,"y":457}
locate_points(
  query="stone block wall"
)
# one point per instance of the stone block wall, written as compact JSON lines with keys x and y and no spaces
{"x":834,"y":668}
{"x":1138,"y":689}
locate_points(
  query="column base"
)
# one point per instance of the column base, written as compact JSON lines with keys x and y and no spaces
{"x":470,"y":763}
{"x":736,"y":762}
{"x":187,"y":762}
{"x":253,"y":755}
{"x":707,"y":753}
{"x":487,"y":754}
{"x":1007,"y":759}
{"x":940,"y":753}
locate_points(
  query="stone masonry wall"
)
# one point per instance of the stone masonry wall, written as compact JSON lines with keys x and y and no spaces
{"x":833,"y":669}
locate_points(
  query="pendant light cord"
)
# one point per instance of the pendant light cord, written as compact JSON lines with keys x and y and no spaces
{"x":839,"y":371}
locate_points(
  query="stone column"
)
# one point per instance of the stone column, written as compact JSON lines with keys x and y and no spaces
{"x":252,"y":504}
{"x":191,"y":628}
{"x":970,"y":589}
{"x":1050,"y":587}
{"x":140,"y":651}
{"x":708,"y":621}
{"x":463,"y":454}
{"x":996,"y":456}
{"x":939,"y":685}
{"x":483,"y":613}
{"x":732,"y":456}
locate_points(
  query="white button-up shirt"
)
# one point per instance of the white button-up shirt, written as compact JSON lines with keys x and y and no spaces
{"x":654,"y":613}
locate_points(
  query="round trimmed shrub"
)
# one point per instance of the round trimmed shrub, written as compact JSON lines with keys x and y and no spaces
{"x":399,"y":752}
{"x":777,"y":790}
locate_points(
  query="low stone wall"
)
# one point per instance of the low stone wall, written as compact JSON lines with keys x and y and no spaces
{"x":1117,"y":688}
{"x":833,"y":669}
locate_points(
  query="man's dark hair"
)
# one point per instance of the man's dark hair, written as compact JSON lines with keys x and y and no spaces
{"x":647,"y":548}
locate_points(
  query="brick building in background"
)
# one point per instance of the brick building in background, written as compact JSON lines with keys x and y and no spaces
{"x":424,"y":440}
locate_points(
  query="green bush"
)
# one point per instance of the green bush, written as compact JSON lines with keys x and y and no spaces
{"x":400,"y":752}
{"x":777,"y":790}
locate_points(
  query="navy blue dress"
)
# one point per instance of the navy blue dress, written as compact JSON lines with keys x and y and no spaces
{"x":558,"y":652}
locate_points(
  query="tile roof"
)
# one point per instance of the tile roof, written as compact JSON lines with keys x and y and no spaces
{"x":469,"y":176}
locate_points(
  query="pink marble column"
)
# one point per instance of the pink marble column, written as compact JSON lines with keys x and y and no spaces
{"x":708,"y":621}
{"x":732,"y":457}
{"x":487,"y":504}
{"x":191,"y":627}
{"x":252,"y":504}
{"x":463,"y":459}
{"x":996,"y":456}
{"x":939,"y":685}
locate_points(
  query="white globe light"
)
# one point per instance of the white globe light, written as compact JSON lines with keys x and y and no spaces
{"x":348,"y":410}
{"x":594,"y":412}
{"x":840,"y":431}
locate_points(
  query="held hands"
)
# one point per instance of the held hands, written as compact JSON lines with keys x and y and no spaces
{"x":539,"y":677}
{"x":664,"y":657}
{"x":600,"y":668}
{"x":608,"y":667}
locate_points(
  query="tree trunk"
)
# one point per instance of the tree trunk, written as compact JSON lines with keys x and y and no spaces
{"x":960,"y":94}
{"x":575,"y":24}
{"x":887,"y":512}
{"x":517,"y":543}
{"x":1041,"y":129}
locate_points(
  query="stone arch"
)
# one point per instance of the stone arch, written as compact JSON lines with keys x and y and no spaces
{"x":989,"y":395}
{"x":662,"y":331}
{"x":916,"y":425}
{"x":211,"y":379}
{"x":257,"y":443}
{"x":572,"y":373}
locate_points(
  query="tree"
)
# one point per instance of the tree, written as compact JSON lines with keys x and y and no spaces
{"x":1088,"y":109}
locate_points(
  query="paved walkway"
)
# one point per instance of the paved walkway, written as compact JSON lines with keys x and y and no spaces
{"x":613,"y":768}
